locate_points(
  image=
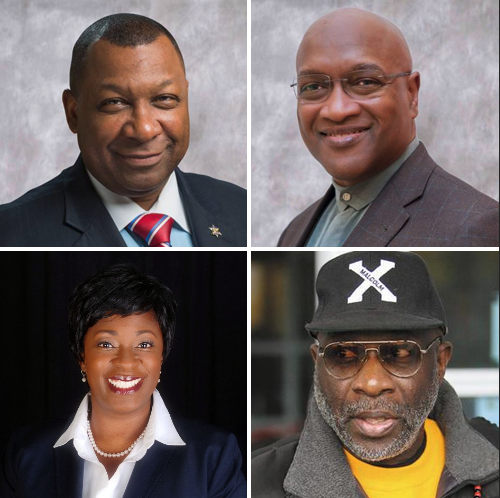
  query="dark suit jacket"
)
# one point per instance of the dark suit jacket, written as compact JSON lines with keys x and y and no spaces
{"x":208,"y":466}
{"x":66,"y":212}
{"x":421,"y":206}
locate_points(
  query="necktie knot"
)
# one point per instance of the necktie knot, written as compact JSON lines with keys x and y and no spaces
{"x":153,"y":228}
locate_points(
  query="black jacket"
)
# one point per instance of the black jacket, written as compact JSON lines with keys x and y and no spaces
{"x":208,"y":466}
{"x":314,"y":466}
{"x":67,"y":212}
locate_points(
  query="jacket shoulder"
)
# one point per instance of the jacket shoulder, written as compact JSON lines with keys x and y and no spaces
{"x":486,"y":428}
{"x":296,"y":228}
{"x":40,"y":195}
{"x":200,"y":433}
{"x":42,"y":206}
{"x":270,"y":466}
{"x":38,"y":437}
{"x":470,"y":216}
{"x":443,"y":179}
{"x":209,"y":185}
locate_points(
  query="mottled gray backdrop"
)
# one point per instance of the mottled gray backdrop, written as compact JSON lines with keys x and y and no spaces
{"x":37,"y":37}
{"x":454,"y":45}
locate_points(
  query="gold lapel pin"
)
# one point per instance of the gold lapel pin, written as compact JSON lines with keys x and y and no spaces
{"x":215,"y":231}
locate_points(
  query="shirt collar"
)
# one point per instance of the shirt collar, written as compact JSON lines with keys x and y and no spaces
{"x":123,"y":209}
{"x":160,"y":428}
{"x":361,"y":194}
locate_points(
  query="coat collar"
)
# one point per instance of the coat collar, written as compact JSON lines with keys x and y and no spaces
{"x":86,"y":213}
{"x":320,"y":466}
{"x":203,"y":212}
{"x":150,"y":470}
{"x":69,"y":471}
{"x":387,"y":214}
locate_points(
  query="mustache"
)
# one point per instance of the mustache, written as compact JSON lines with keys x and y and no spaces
{"x":353,"y":409}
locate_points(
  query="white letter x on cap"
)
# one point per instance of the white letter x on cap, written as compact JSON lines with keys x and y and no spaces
{"x":371,"y":279}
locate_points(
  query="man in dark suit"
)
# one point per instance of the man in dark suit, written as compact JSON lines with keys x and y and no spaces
{"x":128,"y":104}
{"x":357,"y":103}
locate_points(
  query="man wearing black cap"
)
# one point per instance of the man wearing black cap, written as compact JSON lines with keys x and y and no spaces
{"x":382,"y":422}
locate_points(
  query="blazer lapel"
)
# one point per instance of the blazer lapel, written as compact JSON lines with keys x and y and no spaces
{"x":149,"y":470}
{"x":86,"y":213}
{"x":298,"y":234}
{"x":69,"y":472}
{"x":387,"y":215}
{"x":202,"y":213}
{"x":380,"y":223}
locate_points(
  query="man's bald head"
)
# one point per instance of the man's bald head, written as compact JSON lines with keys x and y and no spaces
{"x":356,"y":137}
{"x":356,"y":26}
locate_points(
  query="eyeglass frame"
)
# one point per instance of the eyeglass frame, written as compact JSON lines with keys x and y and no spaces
{"x":321,"y":354}
{"x":332,"y":80}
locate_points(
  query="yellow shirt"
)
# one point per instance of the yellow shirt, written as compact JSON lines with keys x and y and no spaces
{"x":417,"y":480}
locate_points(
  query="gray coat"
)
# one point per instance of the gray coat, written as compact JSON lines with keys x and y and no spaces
{"x":314,"y":465}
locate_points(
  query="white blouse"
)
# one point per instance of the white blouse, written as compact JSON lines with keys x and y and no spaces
{"x":95,"y":478}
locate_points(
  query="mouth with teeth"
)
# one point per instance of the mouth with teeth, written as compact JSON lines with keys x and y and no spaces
{"x":375,"y":427}
{"x":343,"y":137}
{"x":120,"y":384}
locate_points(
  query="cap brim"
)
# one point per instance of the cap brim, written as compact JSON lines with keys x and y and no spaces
{"x":358,"y":321}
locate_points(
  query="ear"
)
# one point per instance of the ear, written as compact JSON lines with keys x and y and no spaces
{"x":82,"y":363}
{"x":70,"y":108}
{"x":413,"y":88}
{"x":314,"y":352}
{"x":443,"y":357}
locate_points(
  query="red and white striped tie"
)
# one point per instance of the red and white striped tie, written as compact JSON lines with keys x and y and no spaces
{"x":154,"y":228}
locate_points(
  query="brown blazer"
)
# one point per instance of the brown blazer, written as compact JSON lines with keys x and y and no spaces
{"x":421,"y":206}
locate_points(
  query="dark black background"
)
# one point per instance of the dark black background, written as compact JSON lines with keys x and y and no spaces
{"x":203,"y":377}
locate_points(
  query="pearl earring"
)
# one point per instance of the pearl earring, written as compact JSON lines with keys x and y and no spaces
{"x":84,"y":376}
{"x":159,"y":378}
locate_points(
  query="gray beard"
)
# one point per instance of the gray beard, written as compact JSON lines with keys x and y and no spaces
{"x":412,"y":419}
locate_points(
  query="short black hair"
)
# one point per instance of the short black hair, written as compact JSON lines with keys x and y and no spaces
{"x":124,"y":30}
{"x":119,"y":290}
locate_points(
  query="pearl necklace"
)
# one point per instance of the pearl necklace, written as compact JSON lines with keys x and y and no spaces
{"x":111,"y":455}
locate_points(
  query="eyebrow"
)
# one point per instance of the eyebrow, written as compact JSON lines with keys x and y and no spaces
{"x":117,"y":88}
{"x":363,"y":66}
{"x":115,"y":333}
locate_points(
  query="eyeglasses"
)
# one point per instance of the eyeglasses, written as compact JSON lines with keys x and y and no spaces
{"x":359,"y":85}
{"x":343,"y":360}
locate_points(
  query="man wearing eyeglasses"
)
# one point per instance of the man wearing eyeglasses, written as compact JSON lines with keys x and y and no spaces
{"x":357,"y":100}
{"x":382,"y":421}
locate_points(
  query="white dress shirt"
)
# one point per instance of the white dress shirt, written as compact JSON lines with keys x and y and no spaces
{"x":96,"y":483}
{"x":123,"y":210}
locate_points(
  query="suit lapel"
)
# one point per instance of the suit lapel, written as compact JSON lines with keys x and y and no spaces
{"x":86,"y":213}
{"x":298,"y":234}
{"x":387,"y":214}
{"x":149,"y":470}
{"x":381,"y":223}
{"x":69,"y":472}
{"x":202,"y":212}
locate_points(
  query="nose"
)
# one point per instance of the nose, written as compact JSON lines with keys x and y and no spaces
{"x":125,"y":358}
{"x":339,"y":106}
{"x":142,"y":125}
{"x":373,"y":379}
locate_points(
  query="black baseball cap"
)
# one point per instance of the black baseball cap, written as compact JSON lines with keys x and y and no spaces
{"x":376,"y":290}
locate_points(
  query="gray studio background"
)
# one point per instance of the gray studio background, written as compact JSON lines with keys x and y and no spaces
{"x":35,"y":54}
{"x":454,"y":45}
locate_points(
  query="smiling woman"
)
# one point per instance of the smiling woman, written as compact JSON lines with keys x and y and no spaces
{"x":122,"y":441}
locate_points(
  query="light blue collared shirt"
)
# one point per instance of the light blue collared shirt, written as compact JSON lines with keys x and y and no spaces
{"x":350,"y":204}
{"x":123,"y":210}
